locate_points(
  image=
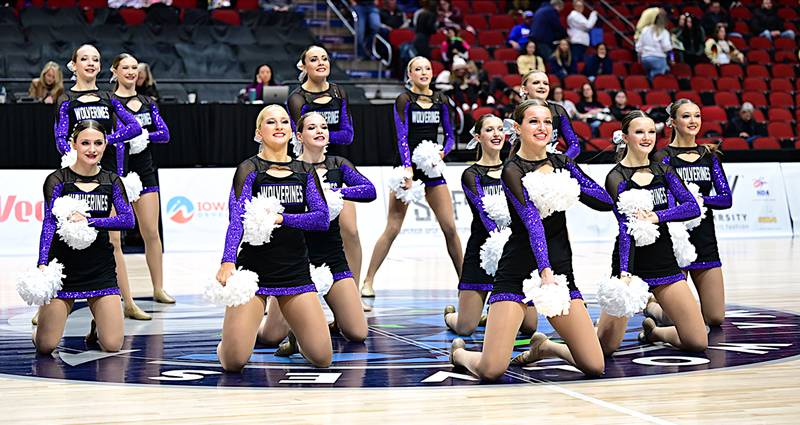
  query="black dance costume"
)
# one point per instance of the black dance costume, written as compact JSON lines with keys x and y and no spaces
{"x":150,"y":119}
{"x":654,"y":263}
{"x":326,"y":247}
{"x":335,"y":112}
{"x":707,"y":173}
{"x":477,"y":183}
{"x":562,"y":123}
{"x":415,"y":124}
{"x":120,"y":125}
{"x":282,"y":264}
{"x":536,"y":243}
{"x":90,"y":272}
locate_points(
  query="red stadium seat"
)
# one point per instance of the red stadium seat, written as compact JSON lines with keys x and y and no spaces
{"x":694,"y":11}
{"x":713,"y":127}
{"x":729,"y":84}
{"x":713,"y":114}
{"x":574,"y":82}
{"x":247,"y":4}
{"x":485,"y":7}
{"x":226,"y":16}
{"x":658,"y":98}
{"x":785,"y":44}
{"x":610,"y":40}
{"x":603,"y":97}
{"x":479,"y":54}
{"x":491,"y":39}
{"x":766,"y":143}
{"x":506,"y":54}
{"x":755,"y":84}
{"x":706,"y":70}
{"x":462,"y":5}
{"x":758,"y":56}
{"x":184,"y":4}
{"x":735,"y":144}
{"x":739,"y":42}
{"x":755,"y":70}
{"x":619,"y":69}
{"x":501,"y":22}
{"x":621,"y":55}
{"x":132,"y":16}
{"x":785,"y":56}
{"x":483,"y":110}
{"x":513,"y":80}
{"x":781,"y":100}
{"x":436,"y":52}
{"x":636,"y":68}
{"x":636,"y":82}
{"x":756,"y":98}
{"x":554,"y":81}
{"x":681,"y":71}
{"x":783,"y":85}
{"x":607,"y":82}
{"x":732,"y":70}
{"x":477,"y":21}
{"x":598,"y":144}
{"x":495,"y":68}
{"x":788,"y":14}
{"x":741,"y":12}
{"x":665,"y":82}
{"x":702,"y":84}
{"x":760,"y":43}
{"x":780,"y":114}
{"x":435,"y":39}
{"x":691,"y":95}
{"x":607,"y":129}
{"x":93,"y":4}
{"x":783,"y":70}
{"x":58,"y":4}
{"x":437,"y":67}
{"x":398,"y":37}
{"x":726,"y":99}
{"x":634,"y":98}
{"x":468,"y":37}
{"x":572,"y":96}
{"x":582,"y":130}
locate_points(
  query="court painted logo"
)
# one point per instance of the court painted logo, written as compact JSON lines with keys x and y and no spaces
{"x":407,"y":347}
{"x":180,"y":209}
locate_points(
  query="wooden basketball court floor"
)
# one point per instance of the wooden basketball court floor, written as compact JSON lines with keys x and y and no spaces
{"x":759,"y":274}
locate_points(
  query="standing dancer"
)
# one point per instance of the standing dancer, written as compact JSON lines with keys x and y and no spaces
{"x":325,"y":248}
{"x":699,"y":165}
{"x":89,"y":272}
{"x":154,"y":130}
{"x":655,"y":262}
{"x":316,"y":94}
{"x":537,"y":247}
{"x":84,"y":101}
{"x":536,"y":85}
{"x":418,"y":114}
{"x":282,"y":264}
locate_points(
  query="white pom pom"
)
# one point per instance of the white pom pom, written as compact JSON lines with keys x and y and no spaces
{"x":550,"y":300}
{"x":259,"y":218}
{"x":427,"y":157}
{"x":619,"y":299}
{"x":239,"y":289}
{"x":492,"y":249}
{"x":683,"y":249}
{"x":693,"y":223}
{"x":139,"y":143}
{"x":551,"y":192}
{"x":633,"y":201}
{"x":69,"y":158}
{"x":335,"y":202}
{"x":395,"y":182}
{"x":133,"y":186}
{"x":643,"y":231}
{"x":38,"y":287}
{"x":322,"y":278}
{"x":496,"y":208}
{"x":297,"y":146}
{"x":78,"y":234}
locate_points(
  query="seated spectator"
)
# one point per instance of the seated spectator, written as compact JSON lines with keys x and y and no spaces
{"x":619,"y":108}
{"x":653,"y":46}
{"x":714,"y":16}
{"x":590,"y":110}
{"x":514,"y":99}
{"x":767,"y":23}
{"x":392,"y":18}
{"x":578,"y":27}
{"x":599,"y":63}
{"x":276,"y":5}
{"x":450,"y":16}
{"x":546,"y":26}
{"x":561,"y":62}
{"x":262,"y":77}
{"x":460,"y":84}
{"x":720,"y":51}
{"x":520,"y":33}
{"x":50,"y":84}
{"x":145,"y":83}
{"x":453,"y":46}
{"x":744,"y":125}
{"x":689,"y":39}
{"x":557,"y":97}
{"x":530,"y":61}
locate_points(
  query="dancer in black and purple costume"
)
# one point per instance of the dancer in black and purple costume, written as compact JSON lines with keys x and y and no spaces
{"x":282,"y":264}
{"x":90,"y":271}
{"x":536,"y":85}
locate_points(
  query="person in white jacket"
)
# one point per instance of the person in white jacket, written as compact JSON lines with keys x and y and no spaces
{"x":653,"y":46}
{"x":578,"y":27}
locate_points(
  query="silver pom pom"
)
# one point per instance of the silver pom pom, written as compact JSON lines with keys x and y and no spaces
{"x":496,"y":208}
{"x":38,"y":287}
{"x":492,"y":250}
{"x":428,"y":159}
{"x":239,"y":289}
{"x":139,"y":143}
{"x":133,"y":186}
{"x":259,"y":218}
{"x":551,"y":299}
{"x":322,"y":278}
{"x":551,"y":192}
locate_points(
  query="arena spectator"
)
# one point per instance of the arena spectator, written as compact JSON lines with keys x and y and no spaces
{"x":519,"y":33}
{"x":599,"y":63}
{"x":653,"y":46}
{"x":619,"y":106}
{"x":720,"y":51}
{"x":767,"y":23}
{"x":145,"y":83}
{"x":50,"y":84}
{"x":647,"y":18}
{"x":744,"y":124}
{"x":425,"y":27}
{"x":590,"y":110}
{"x":530,"y":61}
{"x":557,"y":97}
{"x":262,"y":77}
{"x":578,"y":27}
{"x":276,"y":5}
{"x":369,"y":23}
{"x":714,"y":16}
{"x":546,"y":26}
{"x":561,"y":61}
{"x":392,"y":17}
{"x":461,"y":85}
{"x":450,"y":16}
{"x":453,"y":46}
{"x":689,"y":39}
